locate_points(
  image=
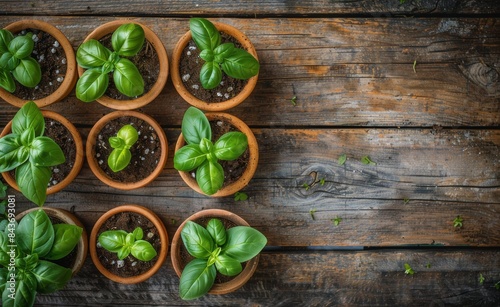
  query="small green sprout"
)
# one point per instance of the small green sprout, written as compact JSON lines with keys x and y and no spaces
{"x":497,"y":285}
{"x":173,"y":221}
{"x":322,"y":181}
{"x":240,"y":196}
{"x":342,"y":159}
{"x":406,"y":201}
{"x":366,"y":160}
{"x":121,"y":143}
{"x":458,"y":222}
{"x":481,"y":279}
{"x":306,"y":186}
{"x":294,"y":100}
{"x":311,"y":212}
{"x":408,"y":269}
{"x":402,"y":1}
{"x":428,"y":265}
{"x":336,"y":221}
{"x":415,"y":66}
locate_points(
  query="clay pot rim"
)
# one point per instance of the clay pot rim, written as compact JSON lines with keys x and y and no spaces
{"x":70,"y":78}
{"x":79,"y":157}
{"x":100,"y":174}
{"x":253,"y":160}
{"x":155,"y":41}
{"x":68,"y":218}
{"x":190,"y":98}
{"x":239,"y":280}
{"x":149,"y":214}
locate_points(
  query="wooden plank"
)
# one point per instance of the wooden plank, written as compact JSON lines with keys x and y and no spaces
{"x":444,"y":173}
{"x":364,"y":278}
{"x":249,"y":8}
{"x":344,"y":72}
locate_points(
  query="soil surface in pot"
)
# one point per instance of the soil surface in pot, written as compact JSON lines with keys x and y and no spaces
{"x":232,"y":169}
{"x":62,"y":136}
{"x":129,"y":266}
{"x":185,"y":257}
{"x":146,"y":61}
{"x":49,"y":53}
{"x":190,"y":67}
{"x":146,"y":151}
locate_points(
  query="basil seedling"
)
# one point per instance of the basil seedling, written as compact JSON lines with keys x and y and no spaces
{"x":121,"y":143}
{"x":124,"y":244}
{"x":30,"y":153}
{"x":38,"y":242}
{"x":202,"y":154}
{"x":215,"y":249}
{"x":99,"y":61}
{"x":16,"y":62}
{"x":235,"y":62}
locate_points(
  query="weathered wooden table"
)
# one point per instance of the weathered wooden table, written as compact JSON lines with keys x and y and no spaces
{"x":414,"y":86}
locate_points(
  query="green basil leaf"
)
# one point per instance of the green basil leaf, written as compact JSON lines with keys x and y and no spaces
{"x":128,"y":79}
{"x":195,"y":126}
{"x":196,"y":279}
{"x":188,"y":158}
{"x":243,"y":243}
{"x":227,"y":265}
{"x":91,"y":85}
{"x":28,"y":72}
{"x":116,"y":142}
{"x":206,"y":146}
{"x":27,"y":136}
{"x":210,"y":75}
{"x":65,"y":239}
{"x":32,"y":181}
{"x":138,"y":233}
{"x":204,"y":33}
{"x":29,"y":116}
{"x":119,"y":159}
{"x":230,"y":146}
{"x":123,"y":252}
{"x":10,"y":153}
{"x":197,"y":240}
{"x":35,"y":233}
{"x":112,"y":240}
{"x":4,"y":276}
{"x":223,"y":51}
{"x":4,"y":250}
{"x":9,"y":62}
{"x":46,"y":152}
{"x":128,"y":39}
{"x":5,"y":38}
{"x":210,"y":177}
{"x":143,"y":250}
{"x":92,"y":54}
{"x":217,"y":231}
{"x":241,"y":65}
{"x":50,"y":277}
{"x":21,"y":46}
{"x":25,"y":293}
{"x":207,"y":55}
{"x":128,"y":134}
{"x":6,"y":81}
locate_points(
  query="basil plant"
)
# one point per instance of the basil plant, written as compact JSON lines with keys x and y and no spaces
{"x":121,"y":143}
{"x":16,"y":62}
{"x":127,"y":40}
{"x":215,"y":250}
{"x":202,"y":154}
{"x":235,"y":62}
{"x":124,"y":244}
{"x":30,"y":153}
{"x":27,"y":255}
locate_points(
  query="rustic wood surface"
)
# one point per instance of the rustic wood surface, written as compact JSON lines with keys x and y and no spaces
{"x":414,"y":86}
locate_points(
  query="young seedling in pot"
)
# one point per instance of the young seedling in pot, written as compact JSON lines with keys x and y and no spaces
{"x":99,"y":62}
{"x":215,"y":249}
{"x":202,"y":154}
{"x":125,"y":243}
{"x":16,"y":62}
{"x":235,"y":62}
{"x":30,"y":153}
{"x":120,"y":157}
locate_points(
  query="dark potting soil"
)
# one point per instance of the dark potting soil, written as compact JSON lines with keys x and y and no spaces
{"x":185,"y":257}
{"x":49,"y":53}
{"x":146,"y":61}
{"x":146,"y":151}
{"x":61,"y":135}
{"x":190,"y":67}
{"x":129,"y":266}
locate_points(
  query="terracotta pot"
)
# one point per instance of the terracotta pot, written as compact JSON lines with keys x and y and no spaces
{"x":252,"y":163}
{"x":153,"y":39}
{"x":190,"y":98}
{"x":94,"y":165}
{"x":239,"y":280}
{"x":162,"y":254}
{"x":67,"y":218}
{"x":77,"y":166}
{"x":70,"y":78}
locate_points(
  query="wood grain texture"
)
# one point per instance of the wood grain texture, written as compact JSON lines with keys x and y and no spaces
{"x":374,"y":8}
{"x":333,"y":278}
